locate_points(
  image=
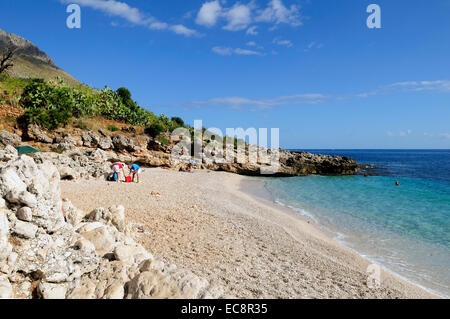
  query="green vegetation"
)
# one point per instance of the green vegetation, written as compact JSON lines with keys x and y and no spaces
{"x":164,"y":141}
{"x":52,"y":104}
{"x":113,"y":128}
{"x":155,"y":129}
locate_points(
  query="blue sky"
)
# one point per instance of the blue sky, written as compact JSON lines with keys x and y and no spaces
{"x":311,"y":68}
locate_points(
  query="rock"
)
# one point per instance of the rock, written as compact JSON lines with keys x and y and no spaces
{"x":124,"y":253}
{"x":25,"y":214}
{"x":5,"y":246}
{"x":2,"y":203}
{"x":25,"y":230}
{"x":102,"y":240}
{"x":8,"y":153}
{"x":105,"y":143}
{"x":35,"y":133}
{"x":85,"y":246}
{"x":85,"y":290}
{"x":52,"y":291}
{"x":7,"y":138}
{"x":74,"y":216}
{"x":118,"y":217}
{"x":26,"y":183}
{"x":90,"y":139}
{"x":153,"y":285}
{"x":115,"y":291}
{"x":6,"y":290}
{"x":123,"y":143}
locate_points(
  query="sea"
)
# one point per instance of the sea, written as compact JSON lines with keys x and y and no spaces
{"x":405,"y":229}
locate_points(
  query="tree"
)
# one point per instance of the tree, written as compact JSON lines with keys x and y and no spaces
{"x":6,"y":59}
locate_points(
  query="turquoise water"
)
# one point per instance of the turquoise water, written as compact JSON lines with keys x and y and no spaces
{"x":406,"y":229}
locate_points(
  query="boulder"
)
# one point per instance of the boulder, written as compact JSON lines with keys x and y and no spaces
{"x":102,"y":240}
{"x":35,"y":133}
{"x":25,"y":214}
{"x":90,"y":139}
{"x":115,"y":291}
{"x":7,"y":138}
{"x":25,"y":230}
{"x":52,"y":291}
{"x":6,"y":289}
{"x":123,"y":143}
{"x":8,"y":153}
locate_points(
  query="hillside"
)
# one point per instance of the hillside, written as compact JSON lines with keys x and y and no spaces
{"x":30,"y":61}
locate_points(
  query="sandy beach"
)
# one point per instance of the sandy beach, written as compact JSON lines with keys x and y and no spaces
{"x":210,"y":223}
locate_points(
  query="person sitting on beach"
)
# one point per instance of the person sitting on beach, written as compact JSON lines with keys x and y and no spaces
{"x":117,"y":167}
{"x":136,"y":171}
{"x":188,"y":169}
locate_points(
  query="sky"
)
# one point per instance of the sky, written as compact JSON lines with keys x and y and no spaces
{"x":311,"y":68}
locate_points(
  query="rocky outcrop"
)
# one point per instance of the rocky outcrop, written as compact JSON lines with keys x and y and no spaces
{"x":35,"y":133}
{"x":89,"y":154}
{"x":91,"y":256}
{"x":7,"y":138}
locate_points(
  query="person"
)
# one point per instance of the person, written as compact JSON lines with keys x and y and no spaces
{"x":117,"y":167}
{"x":136,"y":171}
{"x":397,"y":183}
{"x":188,"y":169}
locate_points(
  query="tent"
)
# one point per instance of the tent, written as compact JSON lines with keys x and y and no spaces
{"x":26,"y":149}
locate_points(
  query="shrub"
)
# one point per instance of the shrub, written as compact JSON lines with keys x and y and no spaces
{"x":113,"y":128}
{"x":155,"y":129}
{"x":178,"y":121}
{"x":164,"y":141}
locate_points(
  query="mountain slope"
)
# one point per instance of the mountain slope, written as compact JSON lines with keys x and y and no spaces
{"x":30,"y":61}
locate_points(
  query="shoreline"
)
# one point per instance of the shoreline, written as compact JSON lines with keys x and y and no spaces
{"x":263,"y":194}
{"x":207,"y":222}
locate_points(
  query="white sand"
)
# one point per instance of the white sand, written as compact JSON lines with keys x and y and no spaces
{"x":204,"y":222}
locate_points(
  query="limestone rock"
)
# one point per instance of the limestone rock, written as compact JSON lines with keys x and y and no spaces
{"x":35,"y":133}
{"x":115,"y":291}
{"x":102,"y":240}
{"x":25,"y":230}
{"x":7,"y":138}
{"x":25,"y":214}
{"x":52,"y":291}
{"x":6,"y":290}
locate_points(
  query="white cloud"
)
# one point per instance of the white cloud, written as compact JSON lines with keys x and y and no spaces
{"x":158,"y":26}
{"x":313,"y":45}
{"x":247,"y":52}
{"x":237,"y":51}
{"x":181,"y":29}
{"x":209,"y":13}
{"x":222,"y":51}
{"x":252,"y":30}
{"x":251,"y":44}
{"x":133,"y":15}
{"x":440,"y":85}
{"x":239,"y":17}
{"x":258,"y":104}
{"x":399,"y":134}
{"x":286,"y":43}
{"x":277,"y":13}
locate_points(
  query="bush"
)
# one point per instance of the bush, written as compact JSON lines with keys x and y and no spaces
{"x":113,"y":128}
{"x":178,"y":121}
{"x":155,"y":129}
{"x":164,"y":141}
